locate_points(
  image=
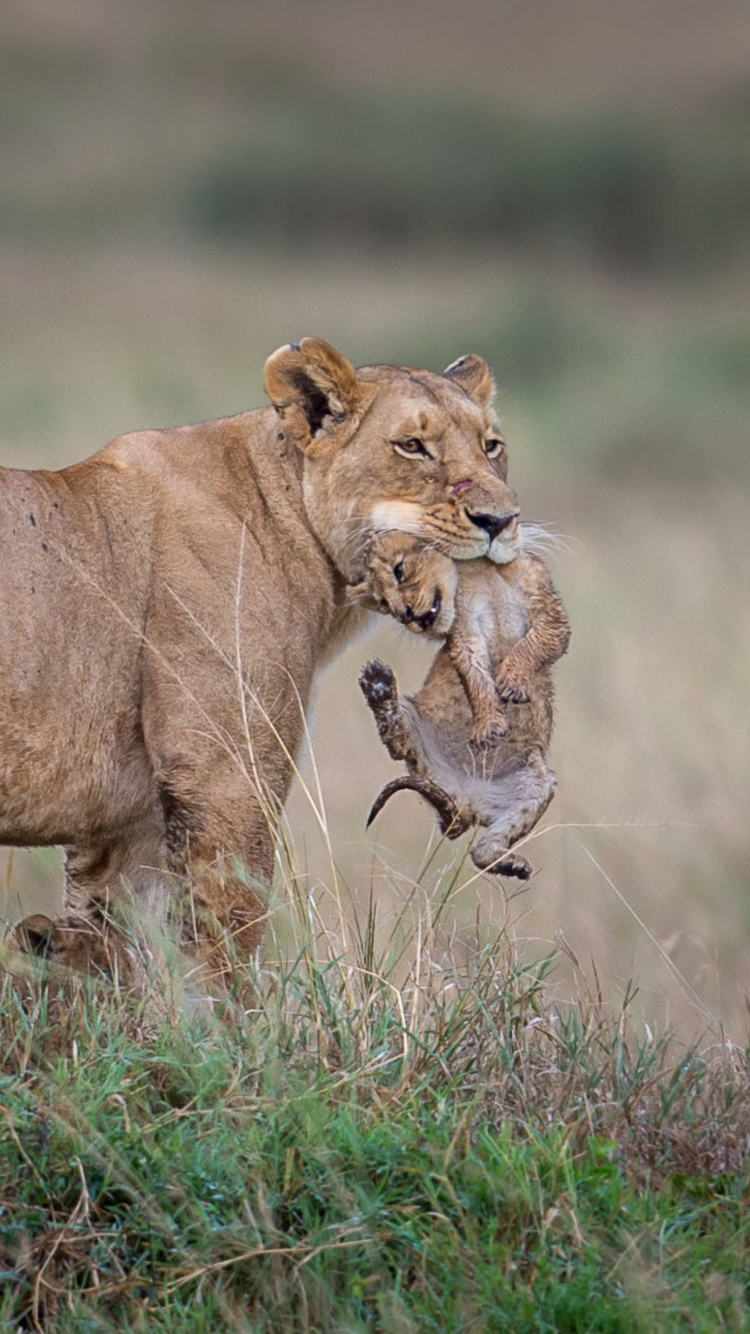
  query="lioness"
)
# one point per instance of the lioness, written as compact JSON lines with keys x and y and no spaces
{"x":166,"y":603}
{"x":504,"y":626}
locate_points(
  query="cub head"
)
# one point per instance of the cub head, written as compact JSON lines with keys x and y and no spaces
{"x":406,"y":579}
{"x":390,"y":448}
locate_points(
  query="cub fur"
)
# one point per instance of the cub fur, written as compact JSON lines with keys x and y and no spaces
{"x":475,"y":737}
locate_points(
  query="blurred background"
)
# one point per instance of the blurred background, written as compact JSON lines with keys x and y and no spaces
{"x":561,"y":186}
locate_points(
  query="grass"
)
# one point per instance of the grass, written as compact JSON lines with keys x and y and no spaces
{"x":316,"y":163}
{"x":304,"y":162}
{"x":416,"y":1136}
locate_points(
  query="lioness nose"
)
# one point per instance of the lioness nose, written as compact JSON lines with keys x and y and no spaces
{"x":494,"y":524}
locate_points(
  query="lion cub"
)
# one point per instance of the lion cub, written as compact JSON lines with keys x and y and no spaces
{"x":475,"y":736}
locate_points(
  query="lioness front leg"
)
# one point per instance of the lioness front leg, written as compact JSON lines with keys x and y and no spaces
{"x":223,"y":909}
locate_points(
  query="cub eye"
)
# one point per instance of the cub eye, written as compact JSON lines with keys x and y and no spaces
{"x":398,"y":572}
{"x":411,"y":448}
{"x":494,"y":448}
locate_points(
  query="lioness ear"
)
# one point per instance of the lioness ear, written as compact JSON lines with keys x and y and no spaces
{"x":307,"y":382}
{"x":475,"y":378}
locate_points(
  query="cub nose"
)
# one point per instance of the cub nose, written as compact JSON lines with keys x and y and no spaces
{"x":494,"y":524}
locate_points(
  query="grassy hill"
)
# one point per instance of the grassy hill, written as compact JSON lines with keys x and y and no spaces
{"x":367,"y":1146}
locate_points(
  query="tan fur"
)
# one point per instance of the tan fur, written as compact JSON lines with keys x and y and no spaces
{"x":165,"y":606}
{"x":472,"y":758}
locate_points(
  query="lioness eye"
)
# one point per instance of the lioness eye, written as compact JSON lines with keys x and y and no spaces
{"x":411,"y":447}
{"x":493,"y":448}
{"x":398,"y":572}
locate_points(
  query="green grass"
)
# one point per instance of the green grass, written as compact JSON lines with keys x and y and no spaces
{"x":335,"y":1149}
{"x":291,"y":157}
{"x":315,"y":163}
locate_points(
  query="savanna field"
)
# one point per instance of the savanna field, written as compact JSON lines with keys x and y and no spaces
{"x":437,"y":1103}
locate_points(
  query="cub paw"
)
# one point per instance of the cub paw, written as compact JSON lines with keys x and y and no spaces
{"x":488,"y":734}
{"x":513,"y":691}
{"x":505,"y":863}
{"x":513,"y":866}
{"x":377,"y":683}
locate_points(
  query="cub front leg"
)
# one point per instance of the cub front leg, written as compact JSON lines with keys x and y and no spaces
{"x":489,"y":721}
{"x":546,"y":639}
{"x":513,"y":682}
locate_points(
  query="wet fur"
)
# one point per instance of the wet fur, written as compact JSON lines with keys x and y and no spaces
{"x":476,"y":735}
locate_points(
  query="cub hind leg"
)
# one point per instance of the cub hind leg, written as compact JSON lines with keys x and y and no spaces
{"x":378,"y":685}
{"x":513,"y":804}
{"x":406,"y":737}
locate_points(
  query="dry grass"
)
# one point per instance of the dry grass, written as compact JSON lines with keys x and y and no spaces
{"x":652,"y":729}
{"x":622,"y":393}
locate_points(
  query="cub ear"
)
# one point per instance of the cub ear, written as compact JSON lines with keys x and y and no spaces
{"x":357,"y":592}
{"x":475,"y":378}
{"x":307,"y":382}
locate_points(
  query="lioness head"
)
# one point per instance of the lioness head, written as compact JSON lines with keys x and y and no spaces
{"x":394,"y":449}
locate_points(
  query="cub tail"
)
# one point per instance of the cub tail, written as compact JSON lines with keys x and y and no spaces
{"x":452,"y":820}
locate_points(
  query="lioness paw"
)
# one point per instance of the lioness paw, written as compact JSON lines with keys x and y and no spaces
{"x":34,"y":935}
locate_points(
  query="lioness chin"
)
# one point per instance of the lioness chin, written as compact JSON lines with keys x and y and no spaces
{"x":166,"y":603}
